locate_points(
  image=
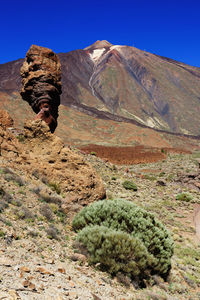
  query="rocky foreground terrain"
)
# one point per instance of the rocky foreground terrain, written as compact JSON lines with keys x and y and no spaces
{"x":38,"y":200}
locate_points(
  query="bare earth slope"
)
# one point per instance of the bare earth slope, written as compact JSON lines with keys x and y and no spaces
{"x":125,"y":84}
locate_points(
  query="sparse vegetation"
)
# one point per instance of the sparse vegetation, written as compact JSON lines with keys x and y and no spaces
{"x":55,"y":187}
{"x":163,"y":151}
{"x":2,"y":234}
{"x":52,"y":232}
{"x":162,"y":174}
{"x":50,"y":198}
{"x":184,"y":197}
{"x":93,"y":153}
{"x":13,"y":177}
{"x":5,"y":196}
{"x":3,"y":205}
{"x":46,"y":211}
{"x":21,"y":138}
{"x":129,"y":185}
{"x":149,"y":177}
{"x":24,"y":213}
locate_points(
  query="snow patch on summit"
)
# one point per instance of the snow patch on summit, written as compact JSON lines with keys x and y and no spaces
{"x":96,"y":54}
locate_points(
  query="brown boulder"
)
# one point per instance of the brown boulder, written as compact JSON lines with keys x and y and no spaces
{"x":5,"y":119}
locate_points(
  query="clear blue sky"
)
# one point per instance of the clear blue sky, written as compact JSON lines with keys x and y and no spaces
{"x":164,"y":27}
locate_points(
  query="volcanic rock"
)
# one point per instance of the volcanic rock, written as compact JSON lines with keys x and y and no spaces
{"x":60,"y":166}
{"x":9,"y":146}
{"x":41,"y":80}
{"x":191,"y":180}
{"x":5,"y":119}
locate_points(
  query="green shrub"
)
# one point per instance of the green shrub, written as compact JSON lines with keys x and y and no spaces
{"x":163,"y":151}
{"x":2,"y":234}
{"x":93,"y":153}
{"x":184,"y":197}
{"x":21,"y":138}
{"x":161,"y":174}
{"x":24,"y":213}
{"x":117,"y":251}
{"x":129,"y":185}
{"x":124,"y":216}
{"x":149,"y":177}
{"x":55,"y":187}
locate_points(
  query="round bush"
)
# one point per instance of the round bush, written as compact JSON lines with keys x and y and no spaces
{"x":129,"y":185}
{"x":117,"y":251}
{"x":122,"y":215}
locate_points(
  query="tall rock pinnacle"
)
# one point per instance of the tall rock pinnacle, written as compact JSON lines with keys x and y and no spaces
{"x":41,"y":83}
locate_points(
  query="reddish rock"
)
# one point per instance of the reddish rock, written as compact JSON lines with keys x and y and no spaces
{"x":24,"y":269}
{"x":5,"y":119}
{"x":41,"y":80}
{"x":62,"y":270}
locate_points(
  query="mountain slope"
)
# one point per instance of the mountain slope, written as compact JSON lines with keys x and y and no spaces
{"x":125,"y":84}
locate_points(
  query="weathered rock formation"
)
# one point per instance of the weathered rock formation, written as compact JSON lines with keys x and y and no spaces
{"x":45,"y":154}
{"x":41,"y":83}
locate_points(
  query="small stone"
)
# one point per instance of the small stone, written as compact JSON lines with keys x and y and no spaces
{"x":62,"y":270}
{"x":43,"y":271}
{"x":50,"y":261}
{"x":41,"y":287}
{"x":26,"y":283}
{"x":99,"y":282}
{"x":32,"y":286}
{"x":78,"y":257}
{"x":161,"y":182}
{"x":24,"y":269}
